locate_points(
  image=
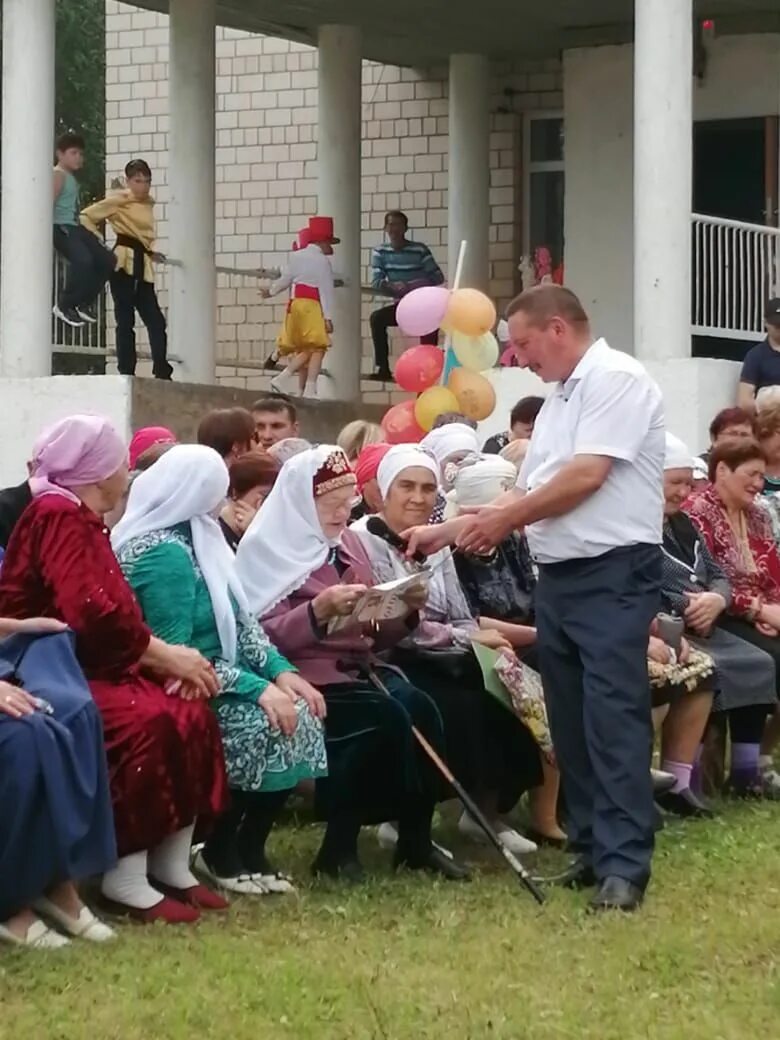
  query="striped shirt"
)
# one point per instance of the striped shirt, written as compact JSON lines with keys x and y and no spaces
{"x":413,"y":262}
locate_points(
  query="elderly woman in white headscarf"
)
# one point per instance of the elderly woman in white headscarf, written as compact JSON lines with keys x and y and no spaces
{"x":305,"y":574}
{"x":491,"y":752}
{"x":177,"y":562}
{"x":449,"y":445}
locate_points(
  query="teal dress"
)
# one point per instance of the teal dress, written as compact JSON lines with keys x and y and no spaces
{"x":163,"y":572}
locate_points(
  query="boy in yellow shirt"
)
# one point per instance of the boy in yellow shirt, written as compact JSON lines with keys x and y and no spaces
{"x":130,"y":212}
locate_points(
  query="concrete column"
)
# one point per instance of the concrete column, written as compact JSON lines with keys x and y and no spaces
{"x":469,"y":167}
{"x":28,"y":150}
{"x":663,"y":161}
{"x":339,"y":193}
{"x":191,"y":210}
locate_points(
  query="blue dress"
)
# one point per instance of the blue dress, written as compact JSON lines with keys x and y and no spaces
{"x":56,"y":822}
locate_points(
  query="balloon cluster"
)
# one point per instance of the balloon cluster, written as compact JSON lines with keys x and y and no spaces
{"x":468,"y":316}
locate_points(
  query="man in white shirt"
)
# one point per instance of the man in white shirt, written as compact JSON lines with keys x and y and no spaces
{"x":590,"y":496}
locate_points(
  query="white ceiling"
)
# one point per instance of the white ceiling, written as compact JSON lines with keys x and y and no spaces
{"x":419,"y":32}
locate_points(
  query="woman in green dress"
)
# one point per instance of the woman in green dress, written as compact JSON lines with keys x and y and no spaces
{"x":174,"y":556}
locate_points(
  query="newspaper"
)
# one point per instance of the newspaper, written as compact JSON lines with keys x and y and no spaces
{"x":383,"y":602}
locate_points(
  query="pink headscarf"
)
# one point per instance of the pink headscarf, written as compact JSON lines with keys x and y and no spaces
{"x":146,"y":438}
{"x":81,"y":449}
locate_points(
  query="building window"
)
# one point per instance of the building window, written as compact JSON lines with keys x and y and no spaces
{"x":544,"y":193}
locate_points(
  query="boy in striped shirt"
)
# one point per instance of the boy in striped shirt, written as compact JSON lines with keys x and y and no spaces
{"x":398,"y":266}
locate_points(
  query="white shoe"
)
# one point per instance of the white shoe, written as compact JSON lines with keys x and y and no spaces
{"x":274,"y":884}
{"x":242,"y":884}
{"x":770,"y":779}
{"x":85,"y":926}
{"x":387,"y":836}
{"x":310,"y":391}
{"x":513,"y":841}
{"x":38,"y":935}
{"x":86,"y":316}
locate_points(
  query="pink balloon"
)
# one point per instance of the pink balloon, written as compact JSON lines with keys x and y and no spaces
{"x":419,"y":367}
{"x":421,"y":310}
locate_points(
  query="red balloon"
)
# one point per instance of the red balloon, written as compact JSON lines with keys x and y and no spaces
{"x":400,"y":425}
{"x":419,"y":367}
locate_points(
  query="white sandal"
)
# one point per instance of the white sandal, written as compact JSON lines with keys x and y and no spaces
{"x":37,"y":935}
{"x":241,"y":884}
{"x":85,"y":926}
{"x":274,"y":884}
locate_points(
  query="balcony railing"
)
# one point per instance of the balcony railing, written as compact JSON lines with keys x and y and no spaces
{"x":736,"y":269}
{"x":89,"y":338}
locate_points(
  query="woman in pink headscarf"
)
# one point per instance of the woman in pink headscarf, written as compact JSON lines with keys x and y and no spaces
{"x":164,"y":752}
{"x":146,"y":438}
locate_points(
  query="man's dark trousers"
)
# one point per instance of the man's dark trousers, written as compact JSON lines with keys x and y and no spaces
{"x":380,"y":321}
{"x":91,"y":265}
{"x":593,"y":618}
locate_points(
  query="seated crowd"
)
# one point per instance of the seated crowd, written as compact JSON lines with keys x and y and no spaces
{"x":180,"y":653}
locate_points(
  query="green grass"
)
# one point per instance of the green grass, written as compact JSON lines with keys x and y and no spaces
{"x":409,"y":958}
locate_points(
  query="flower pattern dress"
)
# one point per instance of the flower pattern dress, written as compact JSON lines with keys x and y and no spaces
{"x":164,"y":574}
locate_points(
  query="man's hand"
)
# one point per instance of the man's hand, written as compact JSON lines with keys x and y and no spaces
{"x":484,"y":529}
{"x":430,"y":538}
{"x":702,"y":610}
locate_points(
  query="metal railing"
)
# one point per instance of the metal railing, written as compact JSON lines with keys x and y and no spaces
{"x":88,"y":338}
{"x":736,"y":269}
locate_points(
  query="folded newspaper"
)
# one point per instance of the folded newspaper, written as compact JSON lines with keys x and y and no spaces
{"x":383,"y":602}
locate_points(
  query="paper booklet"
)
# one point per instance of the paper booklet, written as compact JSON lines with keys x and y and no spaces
{"x":381,"y":602}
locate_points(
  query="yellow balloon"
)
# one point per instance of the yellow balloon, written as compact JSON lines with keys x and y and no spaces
{"x":475,"y":396}
{"x":470,"y":312}
{"x":431,"y":403}
{"x":475,"y":352}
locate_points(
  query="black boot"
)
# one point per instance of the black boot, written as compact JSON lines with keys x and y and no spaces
{"x":338,"y":855}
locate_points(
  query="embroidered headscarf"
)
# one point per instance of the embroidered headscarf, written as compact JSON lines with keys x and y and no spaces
{"x":74,"y":452}
{"x":186,"y":485}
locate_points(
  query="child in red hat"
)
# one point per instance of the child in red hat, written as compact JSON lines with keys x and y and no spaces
{"x":305,"y":334}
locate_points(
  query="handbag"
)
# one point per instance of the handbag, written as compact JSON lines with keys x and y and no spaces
{"x":525,"y":689}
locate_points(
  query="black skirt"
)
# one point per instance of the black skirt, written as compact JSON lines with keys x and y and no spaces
{"x":487,"y":747}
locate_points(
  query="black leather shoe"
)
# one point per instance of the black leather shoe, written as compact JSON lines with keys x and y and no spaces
{"x":434,"y":863}
{"x":662,"y":781}
{"x":348,"y":870}
{"x":615,"y":893}
{"x":382,"y":376}
{"x":685,"y":804}
{"x":579,"y":875}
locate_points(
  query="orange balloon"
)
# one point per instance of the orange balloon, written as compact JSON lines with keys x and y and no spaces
{"x":475,"y":395}
{"x":431,"y":403}
{"x":469,"y":312}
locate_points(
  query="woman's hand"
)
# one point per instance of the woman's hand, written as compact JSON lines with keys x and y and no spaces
{"x":684,"y":653}
{"x":279,"y":708}
{"x":296,"y":688}
{"x":33,"y":626}
{"x":658,"y":651}
{"x":337,"y":601}
{"x":492,"y":639}
{"x":15,"y":702}
{"x":416,"y":596}
{"x":769,"y":615}
{"x":702,"y":611}
{"x":196,"y":674}
{"x":243,"y":514}
{"x":766,"y":630}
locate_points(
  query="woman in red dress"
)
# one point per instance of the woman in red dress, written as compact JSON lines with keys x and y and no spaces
{"x":162,"y":740}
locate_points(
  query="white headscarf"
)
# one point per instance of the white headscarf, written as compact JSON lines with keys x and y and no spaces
{"x":285,"y":542}
{"x":399,"y":458}
{"x":482,"y":482}
{"x":677,"y":455}
{"x":449,"y":440}
{"x":188,"y":483}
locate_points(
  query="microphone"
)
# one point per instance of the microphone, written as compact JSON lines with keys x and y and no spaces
{"x":376,"y":525}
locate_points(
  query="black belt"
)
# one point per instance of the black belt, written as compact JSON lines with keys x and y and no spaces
{"x":140,"y":252}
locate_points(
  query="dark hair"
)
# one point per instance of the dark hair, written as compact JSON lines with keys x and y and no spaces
{"x":138,"y":166}
{"x":69,"y":140}
{"x":542,"y":303}
{"x":526,"y":410}
{"x":154,"y":452}
{"x":223,"y":428}
{"x":256,"y":469}
{"x":729,"y":417}
{"x":276,"y":404}
{"x":734,"y":451}
{"x":451,"y":417}
{"x":396,"y":214}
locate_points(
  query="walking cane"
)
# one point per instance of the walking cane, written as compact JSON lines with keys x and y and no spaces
{"x":470,"y":805}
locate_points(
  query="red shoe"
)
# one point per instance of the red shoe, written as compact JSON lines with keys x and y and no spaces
{"x":199,"y":896}
{"x":169,"y":911}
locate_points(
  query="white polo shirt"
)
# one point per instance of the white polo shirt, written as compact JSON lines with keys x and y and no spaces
{"x":608,"y":406}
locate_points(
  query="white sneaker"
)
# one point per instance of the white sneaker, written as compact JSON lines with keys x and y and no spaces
{"x":37,"y":935}
{"x":85,"y":926}
{"x":310,"y":391}
{"x":508,"y":837}
{"x":86,"y":316}
{"x":387,"y":836}
{"x":242,"y":884}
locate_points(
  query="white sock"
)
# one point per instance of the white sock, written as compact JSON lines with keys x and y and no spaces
{"x":127,"y":883}
{"x":170,"y":861}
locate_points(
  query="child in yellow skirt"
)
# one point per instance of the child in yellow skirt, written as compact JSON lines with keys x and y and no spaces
{"x":305,"y":334}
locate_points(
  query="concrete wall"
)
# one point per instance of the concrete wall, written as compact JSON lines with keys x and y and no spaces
{"x":742,"y":79}
{"x":267,"y":153}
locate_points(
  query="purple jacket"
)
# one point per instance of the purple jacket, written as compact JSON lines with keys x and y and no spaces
{"x":336,"y":658}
